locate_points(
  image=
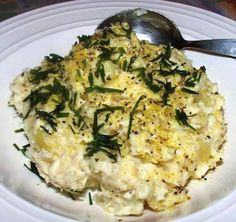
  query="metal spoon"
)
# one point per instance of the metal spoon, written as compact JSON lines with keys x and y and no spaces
{"x":158,"y":29}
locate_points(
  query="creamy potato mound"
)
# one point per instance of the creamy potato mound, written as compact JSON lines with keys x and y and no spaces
{"x":134,"y":121}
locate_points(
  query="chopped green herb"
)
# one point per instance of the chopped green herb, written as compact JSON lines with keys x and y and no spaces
{"x":73,"y":131}
{"x":168,"y":90}
{"x":90,"y":199}
{"x":182,"y":118}
{"x":33,"y":169}
{"x":148,"y":80}
{"x":100,"y":89}
{"x":101,"y":73}
{"x":23,"y":149}
{"x":131,"y":62}
{"x":194,"y":79}
{"x":26,"y":146}
{"x":104,"y":56}
{"x":69,"y":194}
{"x":188,"y":91}
{"x":112,"y":109}
{"x":19,"y":130}
{"x":86,"y":40}
{"x":91,"y":80}
{"x":62,"y":115}
{"x":47,"y":117}
{"x":59,"y":107}
{"x":157,"y":58}
{"x":121,"y":52}
{"x":78,"y":73}
{"x":102,"y":142}
{"x":168,"y":67}
{"x":42,"y":94}
{"x":124,"y":66}
{"x":45,"y":129}
{"x":108,"y":108}
{"x":104,"y":42}
{"x":38,"y":74}
{"x":76,"y":112}
{"x":54,"y":58}
{"x":16,"y":146}
{"x":131,"y":115}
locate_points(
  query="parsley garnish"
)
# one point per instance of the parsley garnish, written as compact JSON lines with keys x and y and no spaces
{"x":182,"y":118}
{"x":131,"y":115}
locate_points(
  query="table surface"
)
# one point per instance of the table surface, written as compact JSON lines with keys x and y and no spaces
{"x":10,"y":8}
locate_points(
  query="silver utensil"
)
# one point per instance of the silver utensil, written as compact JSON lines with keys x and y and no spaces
{"x":158,"y":29}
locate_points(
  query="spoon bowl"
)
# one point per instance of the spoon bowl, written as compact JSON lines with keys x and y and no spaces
{"x":158,"y":29}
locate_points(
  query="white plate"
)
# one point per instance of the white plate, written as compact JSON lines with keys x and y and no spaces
{"x":27,"y":38}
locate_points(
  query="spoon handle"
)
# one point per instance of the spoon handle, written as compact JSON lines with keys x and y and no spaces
{"x":225,"y":47}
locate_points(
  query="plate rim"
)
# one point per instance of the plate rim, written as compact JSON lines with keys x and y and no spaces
{"x":56,"y":7}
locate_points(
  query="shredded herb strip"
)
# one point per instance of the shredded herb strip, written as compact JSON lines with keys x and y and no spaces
{"x":188,"y":91}
{"x":47,"y":117}
{"x":45,"y":130}
{"x":33,"y":169}
{"x":195,"y":78}
{"x":131,"y":115}
{"x":168,"y":90}
{"x":102,"y":142}
{"x":23,"y":149}
{"x":90,"y":199}
{"x":86,"y":40}
{"x":38,"y":74}
{"x":105,"y":55}
{"x":19,"y":130}
{"x":182,"y":118}
{"x":79,"y":119}
{"x":148,"y":80}
{"x":42,"y":94}
{"x":99,"y":89}
{"x":54,"y":58}
{"x":166,"y":65}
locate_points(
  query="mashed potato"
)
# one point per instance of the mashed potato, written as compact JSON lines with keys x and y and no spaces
{"x":134,"y":121}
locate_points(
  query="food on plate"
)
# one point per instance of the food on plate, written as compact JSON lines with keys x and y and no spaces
{"x":132,"y":120}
